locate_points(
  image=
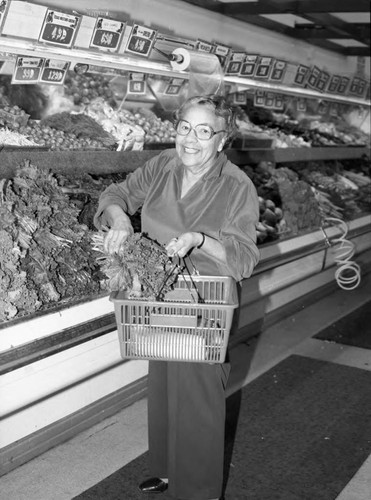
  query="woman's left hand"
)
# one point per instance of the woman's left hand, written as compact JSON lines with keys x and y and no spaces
{"x":183,"y":244}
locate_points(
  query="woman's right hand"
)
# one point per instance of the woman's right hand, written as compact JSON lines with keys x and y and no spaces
{"x":120,"y":229}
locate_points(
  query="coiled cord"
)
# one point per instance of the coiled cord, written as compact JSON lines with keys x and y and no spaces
{"x":348,"y":272}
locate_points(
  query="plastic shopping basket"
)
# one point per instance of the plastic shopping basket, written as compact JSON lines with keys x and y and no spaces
{"x":192,"y":323}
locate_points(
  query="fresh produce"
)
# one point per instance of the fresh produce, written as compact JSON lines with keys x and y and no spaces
{"x":45,"y":253}
{"x":142,"y":267}
{"x":85,"y":88}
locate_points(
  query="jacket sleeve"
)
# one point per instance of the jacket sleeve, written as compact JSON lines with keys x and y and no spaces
{"x":238,"y":231}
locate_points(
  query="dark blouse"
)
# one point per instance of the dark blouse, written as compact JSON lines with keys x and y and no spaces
{"x":222,"y":204}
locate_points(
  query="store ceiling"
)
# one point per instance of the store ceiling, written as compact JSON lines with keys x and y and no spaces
{"x":342,"y":26}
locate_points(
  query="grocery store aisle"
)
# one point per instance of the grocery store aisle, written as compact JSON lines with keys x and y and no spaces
{"x":75,"y":466}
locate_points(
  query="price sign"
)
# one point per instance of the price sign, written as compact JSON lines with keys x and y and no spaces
{"x":322,"y":81}
{"x":107,"y":34}
{"x":264,"y":67}
{"x":301,"y":104}
{"x":248,"y":68}
{"x":333,"y":85}
{"x":204,"y":46}
{"x":313,"y":77}
{"x":322,"y":108}
{"x":269,"y":100}
{"x":259,"y":98}
{"x":54,"y":72}
{"x":278,"y":71}
{"x":174,"y":87}
{"x":239,"y":98}
{"x":222,"y":52}
{"x":59,"y":28}
{"x":343,"y":85}
{"x":141,"y":40}
{"x":357,"y":86}
{"x":301,"y":75}
{"x":137,"y":84}
{"x":279,"y":101}
{"x":235,"y":63}
{"x":334,"y":109}
{"x":27,"y":70}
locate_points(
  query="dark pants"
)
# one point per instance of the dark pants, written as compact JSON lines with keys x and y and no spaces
{"x":186,"y":419}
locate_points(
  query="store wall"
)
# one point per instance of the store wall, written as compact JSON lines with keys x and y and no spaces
{"x":184,"y":20}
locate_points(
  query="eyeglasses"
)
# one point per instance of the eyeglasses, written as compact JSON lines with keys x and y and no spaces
{"x":203,"y":132}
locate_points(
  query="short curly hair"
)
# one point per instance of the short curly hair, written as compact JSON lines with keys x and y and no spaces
{"x":222,"y":109}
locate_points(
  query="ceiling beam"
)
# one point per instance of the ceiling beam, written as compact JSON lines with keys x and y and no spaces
{"x":316,"y":30}
{"x":285,"y":6}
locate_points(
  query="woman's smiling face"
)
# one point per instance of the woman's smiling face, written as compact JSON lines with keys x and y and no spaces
{"x":197,"y":154}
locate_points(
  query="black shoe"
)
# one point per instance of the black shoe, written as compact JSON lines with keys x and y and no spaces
{"x":153,"y":485}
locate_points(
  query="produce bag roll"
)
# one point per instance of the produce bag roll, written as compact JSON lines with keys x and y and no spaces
{"x":205,"y":72}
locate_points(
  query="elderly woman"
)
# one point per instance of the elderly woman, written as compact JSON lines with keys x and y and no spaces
{"x":199,"y":205}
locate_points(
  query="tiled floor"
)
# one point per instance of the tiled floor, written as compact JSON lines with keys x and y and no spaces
{"x":76,"y":465}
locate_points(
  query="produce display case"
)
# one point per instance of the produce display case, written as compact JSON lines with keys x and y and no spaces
{"x":64,"y":364}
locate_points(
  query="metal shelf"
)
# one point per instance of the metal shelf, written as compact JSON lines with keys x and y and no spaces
{"x":123,"y":62}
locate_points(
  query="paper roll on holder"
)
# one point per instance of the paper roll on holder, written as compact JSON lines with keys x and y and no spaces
{"x":173,"y":57}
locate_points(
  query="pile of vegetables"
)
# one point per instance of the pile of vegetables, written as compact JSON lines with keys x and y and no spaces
{"x":83,"y":89}
{"x":141,"y":268}
{"x":45,"y":253}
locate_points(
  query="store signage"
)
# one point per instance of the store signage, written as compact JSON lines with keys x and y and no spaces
{"x":333,"y":85}
{"x":343,"y":85}
{"x":174,"y":87}
{"x":357,"y":86}
{"x":263,"y":68}
{"x":137,"y":84}
{"x":141,"y":40}
{"x":59,"y":28}
{"x":322,"y":108}
{"x":222,"y":52}
{"x":107,"y":34}
{"x":259,"y":98}
{"x":301,"y":104}
{"x":235,"y":63}
{"x":27,"y":70}
{"x":54,"y":72}
{"x":322,"y":81}
{"x":248,"y":68}
{"x":301,"y":75}
{"x":204,"y":46}
{"x":278,"y":71}
{"x":314,"y":77}
{"x":239,"y":98}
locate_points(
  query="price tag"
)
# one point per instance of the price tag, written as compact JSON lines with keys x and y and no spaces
{"x":27,"y":70}
{"x":248,"y":68}
{"x":59,"y":28}
{"x":137,"y":84}
{"x":322,"y":108}
{"x":235,"y":63}
{"x":278,"y":71}
{"x":264,"y":68}
{"x":54,"y":72}
{"x":174,"y":86}
{"x":279,"y":101}
{"x":314,"y":77}
{"x":223,"y":53}
{"x":333,"y":85}
{"x":301,"y":75}
{"x":259,"y":98}
{"x":334,"y":110}
{"x":322,"y":81}
{"x":204,"y":46}
{"x":301,"y":104}
{"x":357,"y":86}
{"x":239,"y":98}
{"x":343,"y":85}
{"x":107,"y":34}
{"x":141,"y":40}
{"x":269,"y":100}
